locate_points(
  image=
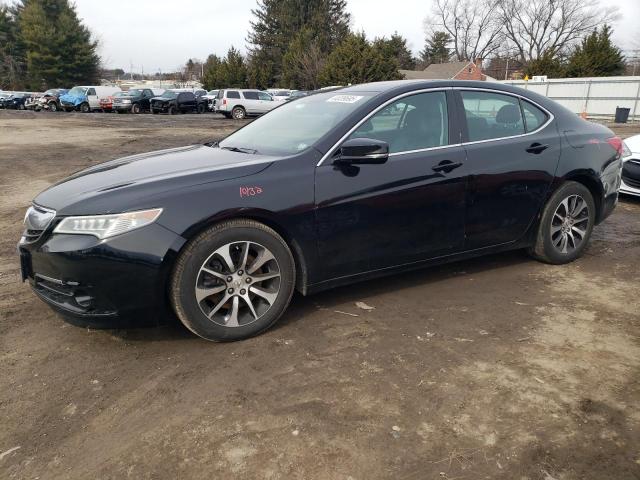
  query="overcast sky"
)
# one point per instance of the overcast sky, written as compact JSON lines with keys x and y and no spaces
{"x":154,"y":34}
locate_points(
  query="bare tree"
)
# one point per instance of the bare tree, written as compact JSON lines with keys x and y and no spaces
{"x":474,"y":26}
{"x":537,"y":27}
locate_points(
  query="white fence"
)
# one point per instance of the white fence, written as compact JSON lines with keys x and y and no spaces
{"x":598,"y":97}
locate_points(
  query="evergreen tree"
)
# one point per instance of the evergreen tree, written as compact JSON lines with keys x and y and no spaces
{"x":233,"y":70}
{"x":212,"y":73}
{"x":303,"y":62}
{"x":59,"y":49}
{"x":396,"y":47}
{"x":276,"y":24}
{"x":596,"y":56}
{"x":12,"y":62}
{"x":355,"y":60}
{"x":548,"y":64}
{"x":436,"y":49}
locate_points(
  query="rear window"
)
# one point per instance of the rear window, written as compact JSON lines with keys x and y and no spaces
{"x":233,"y":94}
{"x":250,"y":95}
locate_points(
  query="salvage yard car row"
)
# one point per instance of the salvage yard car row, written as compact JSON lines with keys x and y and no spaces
{"x":233,"y":103}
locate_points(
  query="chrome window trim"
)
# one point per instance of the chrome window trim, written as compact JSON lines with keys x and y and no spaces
{"x":550,"y":119}
{"x":376,"y":110}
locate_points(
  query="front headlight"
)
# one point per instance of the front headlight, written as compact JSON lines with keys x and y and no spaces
{"x":126,"y":101}
{"x":105,"y":226}
{"x":626,"y":152}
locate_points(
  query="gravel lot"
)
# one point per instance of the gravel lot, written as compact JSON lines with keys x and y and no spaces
{"x":500,"y":367}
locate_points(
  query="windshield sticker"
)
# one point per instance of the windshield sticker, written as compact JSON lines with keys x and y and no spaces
{"x":345,"y":98}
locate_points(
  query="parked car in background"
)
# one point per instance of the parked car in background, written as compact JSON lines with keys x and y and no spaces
{"x":280,"y":95}
{"x":50,"y":100}
{"x":86,"y":98}
{"x":211,"y":99}
{"x":172,"y":102}
{"x":239,"y":103}
{"x":135,"y":100}
{"x":32,"y":101}
{"x":321,"y":192}
{"x":15,"y":101}
{"x":631,"y":166}
{"x":106,"y":103}
{"x":298,"y":94}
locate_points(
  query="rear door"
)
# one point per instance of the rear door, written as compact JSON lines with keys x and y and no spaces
{"x":410,"y":208}
{"x":513,"y":149}
{"x":251,"y":102}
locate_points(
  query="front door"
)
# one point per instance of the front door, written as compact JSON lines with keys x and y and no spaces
{"x":408,"y":209}
{"x":92,"y":98}
{"x":512,"y":154}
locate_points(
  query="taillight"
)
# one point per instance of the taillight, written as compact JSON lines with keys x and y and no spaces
{"x":224,"y":101}
{"x":616,"y":143}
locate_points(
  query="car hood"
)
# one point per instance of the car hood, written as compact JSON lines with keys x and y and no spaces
{"x":163,"y":99}
{"x":133,"y":182}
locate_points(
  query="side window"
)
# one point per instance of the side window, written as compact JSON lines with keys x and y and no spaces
{"x":265,"y":96}
{"x":412,"y":123}
{"x":91,"y":91}
{"x":250,"y":95}
{"x":188,"y":96}
{"x":534,"y":118}
{"x":491,"y":115}
{"x":233,"y":94}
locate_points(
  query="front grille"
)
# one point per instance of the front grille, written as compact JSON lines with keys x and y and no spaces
{"x":36,"y":222}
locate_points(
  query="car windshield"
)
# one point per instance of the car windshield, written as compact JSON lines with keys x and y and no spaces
{"x":121,"y":94}
{"x":282,"y":93}
{"x":295,"y":126}
{"x":51,"y":91}
{"x":134,"y":92}
{"x":213,"y":92}
{"x":170,"y":94}
{"x":78,"y":91}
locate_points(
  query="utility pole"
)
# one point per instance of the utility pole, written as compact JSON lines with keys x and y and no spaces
{"x":506,"y":70}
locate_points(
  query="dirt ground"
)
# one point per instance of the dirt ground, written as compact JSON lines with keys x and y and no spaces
{"x":496,"y":368}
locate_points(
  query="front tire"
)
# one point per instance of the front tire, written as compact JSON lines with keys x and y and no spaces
{"x":135,"y":108}
{"x":84,"y":108}
{"x":53,"y":106}
{"x":566,"y":225}
{"x":171,"y":111}
{"x":233,"y":281}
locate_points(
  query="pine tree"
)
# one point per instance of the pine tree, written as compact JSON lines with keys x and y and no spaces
{"x":596,"y":56}
{"x":436,"y":49}
{"x":547,"y":64}
{"x":396,"y":47}
{"x":212,"y":73}
{"x":233,"y":70}
{"x":303,"y":62}
{"x":59,"y":48}
{"x":355,"y":60}
{"x":12,"y":61}
{"x":276,"y":24}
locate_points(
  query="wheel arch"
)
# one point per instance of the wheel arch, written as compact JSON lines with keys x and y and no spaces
{"x":270,"y":220}
{"x":593,"y":185}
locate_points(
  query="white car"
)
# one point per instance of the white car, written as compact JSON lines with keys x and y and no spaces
{"x":239,"y":103}
{"x":631,"y":166}
{"x":280,"y":95}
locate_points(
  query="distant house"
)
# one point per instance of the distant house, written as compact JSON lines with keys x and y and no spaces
{"x":466,"y":70}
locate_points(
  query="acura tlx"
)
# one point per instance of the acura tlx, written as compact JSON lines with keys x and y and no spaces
{"x":325,"y":190}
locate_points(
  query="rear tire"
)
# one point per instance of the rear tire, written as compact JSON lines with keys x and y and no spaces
{"x":233,"y":281}
{"x":238,"y":113}
{"x":566,"y":225}
{"x":201,"y":108}
{"x":171,"y":111}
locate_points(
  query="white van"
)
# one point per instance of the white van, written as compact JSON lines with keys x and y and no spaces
{"x":86,"y":97}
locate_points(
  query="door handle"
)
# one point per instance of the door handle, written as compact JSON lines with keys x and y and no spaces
{"x":536,"y":148}
{"x":446,"y":166}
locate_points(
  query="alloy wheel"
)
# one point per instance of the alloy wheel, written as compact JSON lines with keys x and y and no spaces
{"x":570,"y":224}
{"x":238,"y":284}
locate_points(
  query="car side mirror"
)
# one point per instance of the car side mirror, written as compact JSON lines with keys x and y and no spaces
{"x":362,"y":151}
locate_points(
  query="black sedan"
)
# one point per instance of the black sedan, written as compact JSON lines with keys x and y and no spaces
{"x":333,"y":188}
{"x":15,"y":101}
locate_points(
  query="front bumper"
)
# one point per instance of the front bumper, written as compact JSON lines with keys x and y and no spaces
{"x":102,"y":282}
{"x":122,"y":107}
